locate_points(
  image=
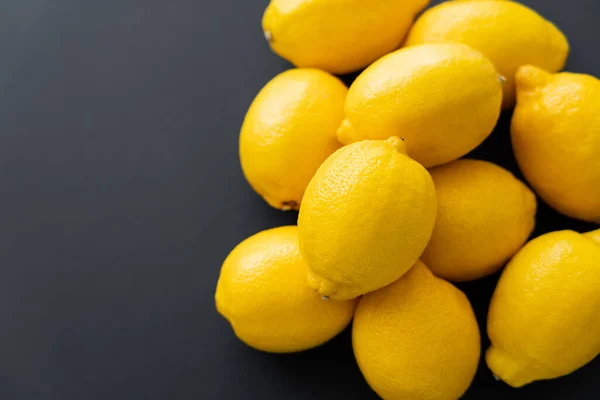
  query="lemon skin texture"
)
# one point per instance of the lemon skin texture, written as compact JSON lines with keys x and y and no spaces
{"x":443,"y":99}
{"x":543,"y":319}
{"x":508,"y":33}
{"x":262,"y":292}
{"x":338,"y":36}
{"x":289,"y":130}
{"x":555,"y":134}
{"x":416,"y":339}
{"x":484,"y":216}
{"x":366,"y":218}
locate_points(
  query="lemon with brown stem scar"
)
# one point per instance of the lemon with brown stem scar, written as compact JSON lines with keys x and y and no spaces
{"x":289,"y":130}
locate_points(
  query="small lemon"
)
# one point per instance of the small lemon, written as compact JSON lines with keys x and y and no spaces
{"x":508,"y":33}
{"x":484,"y":216}
{"x":366,"y":217}
{"x":556,"y":138}
{"x":338,"y":36}
{"x":289,"y":130}
{"x":543,"y":320}
{"x":262,"y":292}
{"x":443,"y":99}
{"x":416,"y":339}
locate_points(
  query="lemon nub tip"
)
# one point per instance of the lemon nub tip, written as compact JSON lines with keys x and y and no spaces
{"x":322,"y":286}
{"x":529,"y":77}
{"x":344,"y":132}
{"x":268,"y":36}
{"x":594,"y":236}
{"x":397,"y":143}
{"x":506,"y":368}
{"x":289,"y":206}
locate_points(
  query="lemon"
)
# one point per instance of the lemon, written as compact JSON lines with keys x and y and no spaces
{"x":556,"y":138}
{"x":289,"y":130}
{"x":484,"y":216}
{"x":443,"y":99}
{"x":543,"y":319}
{"x":366,"y":217}
{"x":262,"y":292}
{"x":508,"y":33}
{"x":416,"y":339}
{"x":338,"y":36}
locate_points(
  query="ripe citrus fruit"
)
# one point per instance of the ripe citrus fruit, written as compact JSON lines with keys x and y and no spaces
{"x":262,"y":292}
{"x":543,"y":320}
{"x":338,"y":36}
{"x":556,"y":138}
{"x":366,"y":217}
{"x":289,"y":131}
{"x":416,"y":339}
{"x":508,"y":33}
{"x":443,"y":99}
{"x":484,"y":216}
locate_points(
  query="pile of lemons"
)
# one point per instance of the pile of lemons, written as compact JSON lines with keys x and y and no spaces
{"x":389,"y":214}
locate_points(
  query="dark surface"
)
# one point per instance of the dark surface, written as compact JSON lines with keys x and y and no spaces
{"x":121,"y":194}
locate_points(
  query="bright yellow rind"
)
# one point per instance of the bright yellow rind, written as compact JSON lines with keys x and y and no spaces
{"x":443,"y":99}
{"x":508,"y":33}
{"x":289,"y":130}
{"x":365,"y":219}
{"x":338,"y":36}
{"x":416,"y":339}
{"x":556,"y":136}
{"x":262,"y":292}
{"x":543,"y":319}
{"x":484,"y":216}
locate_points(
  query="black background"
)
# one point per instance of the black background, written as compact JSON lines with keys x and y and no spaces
{"x":121,"y":194}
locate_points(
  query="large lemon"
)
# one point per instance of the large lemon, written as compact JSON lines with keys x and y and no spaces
{"x":484,"y":216}
{"x":366,"y":217}
{"x":289,"y":130}
{"x":508,"y":33}
{"x":556,"y":138}
{"x":543,"y":320}
{"x":338,"y":36}
{"x":443,"y":99}
{"x":416,"y":339}
{"x":263,"y":294}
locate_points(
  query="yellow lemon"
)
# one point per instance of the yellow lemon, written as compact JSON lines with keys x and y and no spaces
{"x":416,"y":339}
{"x":508,"y":33}
{"x":556,"y":138}
{"x":443,"y":99}
{"x":338,"y":36}
{"x":484,"y":216}
{"x":543,"y":320}
{"x":262,"y":292}
{"x":366,"y":217}
{"x":289,"y":130}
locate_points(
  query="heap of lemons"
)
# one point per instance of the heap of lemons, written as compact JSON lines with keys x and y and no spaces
{"x":389,"y":213}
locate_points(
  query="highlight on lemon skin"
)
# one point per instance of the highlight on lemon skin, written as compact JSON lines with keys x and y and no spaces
{"x":365,"y":219}
{"x":543,"y":318}
{"x":289,"y":130}
{"x":337,"y":36}
{"x":555,"y":133}
{"x":262,"y":292}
